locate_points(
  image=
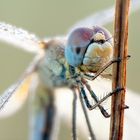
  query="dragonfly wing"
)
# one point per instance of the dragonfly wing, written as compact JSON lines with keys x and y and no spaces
{"x":19,"y":38}
{"x":15,"y":96}
{"x":103,"y":17}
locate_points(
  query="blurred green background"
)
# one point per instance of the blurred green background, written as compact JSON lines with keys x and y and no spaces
{"x":50,"y":18}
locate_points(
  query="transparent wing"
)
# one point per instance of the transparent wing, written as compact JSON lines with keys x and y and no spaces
{"x":18,"y":91}
{"x":19,"y":38}
{"x":103,"y":17}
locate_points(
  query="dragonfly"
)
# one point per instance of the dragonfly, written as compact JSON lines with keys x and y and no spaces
{"x":56,"y":67}
{"x":61,"y":61}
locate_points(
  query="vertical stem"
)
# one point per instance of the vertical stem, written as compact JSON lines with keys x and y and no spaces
{"x":119,"y":69}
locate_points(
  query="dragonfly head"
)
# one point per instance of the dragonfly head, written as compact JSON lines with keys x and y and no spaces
{"x":89,"y":48}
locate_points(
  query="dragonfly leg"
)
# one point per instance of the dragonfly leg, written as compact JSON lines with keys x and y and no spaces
{"x":104,"y":68}
{"x":91,"y":132}
{"x":74,"y":133}
{"x":89,"y":106}
{"x":93,"y":95}
{"x":117,"y":90}
{"x":83,"y":94}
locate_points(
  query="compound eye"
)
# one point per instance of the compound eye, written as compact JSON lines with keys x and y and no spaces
{"x":77,"y":44}
{"x":78,"y":50}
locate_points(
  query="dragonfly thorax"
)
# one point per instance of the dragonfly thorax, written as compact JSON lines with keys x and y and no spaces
{"x":53,"y":69}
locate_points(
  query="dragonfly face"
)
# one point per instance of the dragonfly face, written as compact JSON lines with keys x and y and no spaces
{"x":86,"y":48}
{"x":89,"y":48}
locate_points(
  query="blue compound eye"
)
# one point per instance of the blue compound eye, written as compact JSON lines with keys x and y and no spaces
{"x":77,"y":45}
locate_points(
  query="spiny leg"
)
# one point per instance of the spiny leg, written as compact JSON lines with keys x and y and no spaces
{"x":91,"y":107}
{"x":74,"y":133}
{"x":117,"y":90}
{"x":92,"y":136}
{"x":72,"y":70}
{"x":82,"y":91}
{"x":103,"y":68}
{"x":83,"y":94}
{"x":93,"y":95}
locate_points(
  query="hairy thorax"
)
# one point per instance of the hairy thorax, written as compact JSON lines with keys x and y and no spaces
{"x":52,"y":69}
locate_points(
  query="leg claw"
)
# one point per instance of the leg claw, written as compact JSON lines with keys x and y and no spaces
{"x":125,"y":107}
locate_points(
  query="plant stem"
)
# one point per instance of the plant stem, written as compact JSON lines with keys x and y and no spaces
{"x":119,"y":68}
